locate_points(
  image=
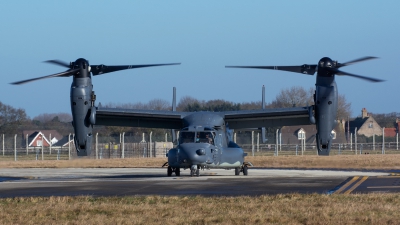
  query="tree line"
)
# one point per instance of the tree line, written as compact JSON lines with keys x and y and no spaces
{"x":14,"y":121}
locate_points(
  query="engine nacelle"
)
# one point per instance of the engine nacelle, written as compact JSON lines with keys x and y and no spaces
{"x":83,"y":114}
{"x":325,"y":112}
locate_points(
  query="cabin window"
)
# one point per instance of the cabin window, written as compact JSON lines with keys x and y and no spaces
{"x":39,"y":143}
{"x":186,"y":137}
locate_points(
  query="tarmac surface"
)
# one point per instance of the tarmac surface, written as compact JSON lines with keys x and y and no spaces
{"x":25,"y":182}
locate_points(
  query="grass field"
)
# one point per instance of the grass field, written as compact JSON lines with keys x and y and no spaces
{"x":275,"y":209}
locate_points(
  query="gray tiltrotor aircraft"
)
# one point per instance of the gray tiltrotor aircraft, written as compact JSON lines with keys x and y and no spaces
{"x":204,"y":138}
{"x":326,"y":94}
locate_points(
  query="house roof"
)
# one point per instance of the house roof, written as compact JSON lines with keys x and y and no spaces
{"x":357,"y":123}
{"x":63,"y":142}
{"x":33,"y":137}
{"x":46,"y":133}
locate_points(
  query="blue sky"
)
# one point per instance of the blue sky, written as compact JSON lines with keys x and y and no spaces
{"x":204,"y":36}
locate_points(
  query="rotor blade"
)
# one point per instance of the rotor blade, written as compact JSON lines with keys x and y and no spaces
{"x":356,"y":61}
{"x":58,"y":62}
{"x":101,"y":69}
{"x":304,"y":69}
{"x":62,"y":74}
{"x":338,"y":72}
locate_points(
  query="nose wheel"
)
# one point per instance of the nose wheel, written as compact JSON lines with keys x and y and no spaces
{"x":195,"y":171}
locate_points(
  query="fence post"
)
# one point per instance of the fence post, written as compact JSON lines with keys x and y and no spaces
{"x":3,"y":144}
{"x":397,"y":141}
{"x":373,"y":141}
{"x":276,"y":142}
{"x":351,"y":141}
{"x":69,"y":146}
{"x":50,"y":144}
{"x":97,"y":148}
{"x":258,"y":142}
{"x":252,"y":143}
{"x":151,"y":145}
{"x":123,"y":145}
{"x":297,"y":146}
{"x":15,"y":148}
{"x":234,"y":137}
{"x":383,"y":140}
{"x":280,"y":140}
{"x":27,"y":147}
{"x":42,"y":149}
{"x":355,"y":140}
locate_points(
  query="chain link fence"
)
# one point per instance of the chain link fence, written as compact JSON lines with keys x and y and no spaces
{"x":106,"y":147}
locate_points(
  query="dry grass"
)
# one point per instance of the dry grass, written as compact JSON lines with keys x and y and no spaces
{"x":277,"y":209}
{"x":388,"y":161}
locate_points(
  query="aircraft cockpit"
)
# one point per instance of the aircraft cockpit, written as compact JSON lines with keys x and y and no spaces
{"x":197,"y":137}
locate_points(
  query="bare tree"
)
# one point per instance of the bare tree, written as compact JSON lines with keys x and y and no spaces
{"x":344,"y":107}
{"x":185,"y":101}
{"x":46,"y":117}
{"x":298,"y":96}
{"x":295,"y":96}
{"x":159,"y":104}
{"x":11,"y":118}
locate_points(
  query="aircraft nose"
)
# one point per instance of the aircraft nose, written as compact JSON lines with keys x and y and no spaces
{"x":196,"y":153}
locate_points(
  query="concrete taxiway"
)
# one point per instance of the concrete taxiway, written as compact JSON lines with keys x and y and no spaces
{"x":215,"y":182}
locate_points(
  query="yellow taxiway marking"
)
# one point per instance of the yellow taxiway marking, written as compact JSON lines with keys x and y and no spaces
{"x":355,"y":185}
{"x":346,"y":185}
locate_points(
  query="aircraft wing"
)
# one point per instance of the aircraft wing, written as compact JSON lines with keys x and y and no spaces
{"x":139,"y":118}
{"x":269,"y":117}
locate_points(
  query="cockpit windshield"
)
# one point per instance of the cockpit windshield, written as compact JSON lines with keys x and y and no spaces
{"x":197,"y":137}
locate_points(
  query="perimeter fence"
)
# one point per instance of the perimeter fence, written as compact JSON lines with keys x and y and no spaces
{"x":106,"y":147}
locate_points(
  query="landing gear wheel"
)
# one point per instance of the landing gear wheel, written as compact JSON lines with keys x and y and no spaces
{"x":237,"y":171}
{"x":191,"y":173}
{"x":177,"y":172}
{"x":198,"y":172}
{"x":245,"y":172}
{"x":169,"y":171}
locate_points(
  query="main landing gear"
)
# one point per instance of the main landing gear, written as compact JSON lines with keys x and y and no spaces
{"x":243,"y":169}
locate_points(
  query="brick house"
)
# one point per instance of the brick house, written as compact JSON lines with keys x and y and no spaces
{"x":41,"y":138}
{"x":366,"y":125}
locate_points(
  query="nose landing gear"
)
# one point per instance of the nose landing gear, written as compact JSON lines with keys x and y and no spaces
{"x":194,"y":170}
